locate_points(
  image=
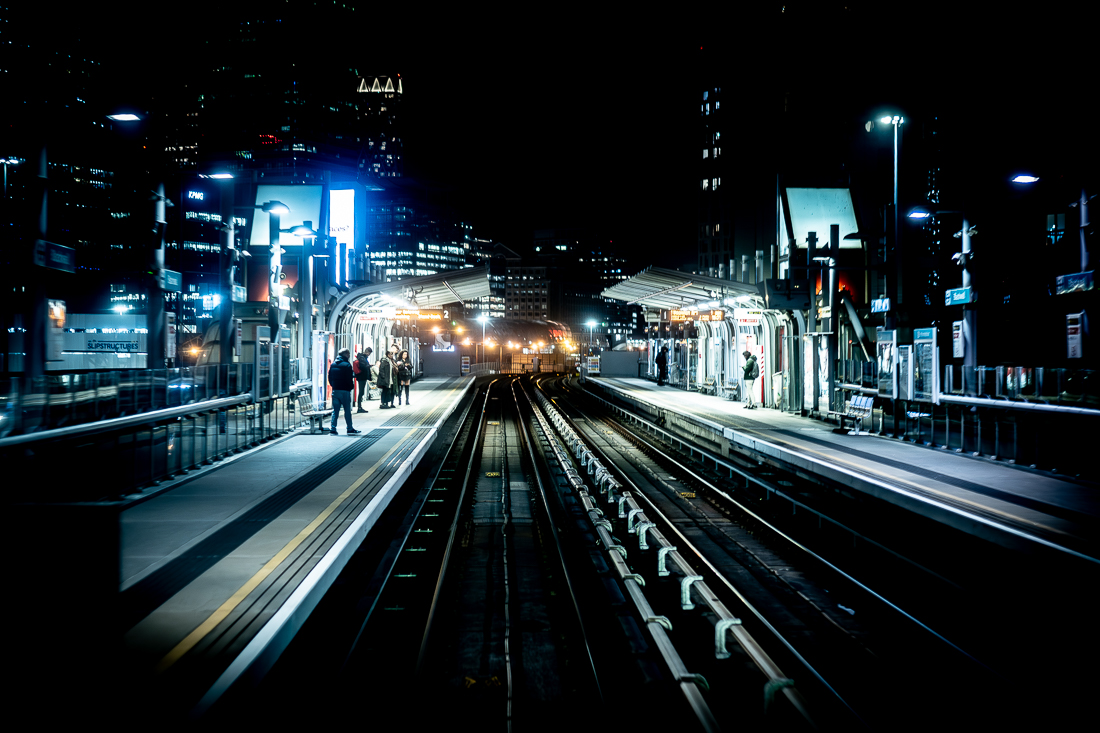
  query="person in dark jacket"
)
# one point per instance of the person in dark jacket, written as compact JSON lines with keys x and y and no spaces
{"x":752,"y":371}
{"x":387,"y":380}
{"x":341,"y":378}
{"x":362,"y":376}
{"x":662,"y":366}
{"x":404,"y":375}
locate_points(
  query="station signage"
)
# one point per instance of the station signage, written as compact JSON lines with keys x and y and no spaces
{"x":1073,"y":283}
{"x":692,"y":314}
{"x":880,"y":305}
{"x":409,"y":314}
{"x":55,"y":256}
{"x":957,"y":296}
{"x":747,"y":316}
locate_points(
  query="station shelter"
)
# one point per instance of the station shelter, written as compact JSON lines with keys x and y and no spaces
{"x":708,"y":323}
{"x":408,"y":314}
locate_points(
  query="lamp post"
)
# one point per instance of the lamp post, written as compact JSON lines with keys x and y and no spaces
{"x":273,"y":209}
{"x":591,"y":325}
{"x":305,"y":279}
{"x":482,"y":318}
{"x":894,"y":290}
{"x":970,"y":316}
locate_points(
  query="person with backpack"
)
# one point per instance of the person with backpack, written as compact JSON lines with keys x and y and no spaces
{"x":341,"y":377}
{"x":361,"y":366}
{"x":752,"y":371}
{"x":662,"y":366}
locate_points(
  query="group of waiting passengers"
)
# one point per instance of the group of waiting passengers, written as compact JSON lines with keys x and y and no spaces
{"x":391,"y":373}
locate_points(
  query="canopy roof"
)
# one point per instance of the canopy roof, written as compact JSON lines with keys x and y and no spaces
{"x":657,"y":287}
{"x":430,"y":291}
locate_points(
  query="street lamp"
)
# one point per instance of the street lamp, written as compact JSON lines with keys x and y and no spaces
{"x":305,"y":283}
{"x":591,"y":325}
{"x":273,"y":209}
{"x":896,"y":121}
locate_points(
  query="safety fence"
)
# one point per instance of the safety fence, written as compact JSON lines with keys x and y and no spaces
{"x":102,"y":437}
{"x":1031,"y":416}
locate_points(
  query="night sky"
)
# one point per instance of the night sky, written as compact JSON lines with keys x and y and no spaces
{"x":588,"y":118}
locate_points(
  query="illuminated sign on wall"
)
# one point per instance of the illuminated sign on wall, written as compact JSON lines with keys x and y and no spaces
{"x":408,"y":314}
{"x":691,"y":314}
{"x":747,"y":317}
{"x":380,"y":84}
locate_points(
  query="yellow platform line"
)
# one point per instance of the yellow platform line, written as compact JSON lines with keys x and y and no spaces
{"x":226,"y":608}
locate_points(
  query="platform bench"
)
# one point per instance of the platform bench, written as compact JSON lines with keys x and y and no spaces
{"x":709,"y":386}
{"x":858,"y":409}
{"x":731,"y":391}
{"x":316,"y":415}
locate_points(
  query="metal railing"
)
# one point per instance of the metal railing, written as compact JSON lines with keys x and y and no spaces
{"x":1032,"y":416}
{"x":122,"y":432}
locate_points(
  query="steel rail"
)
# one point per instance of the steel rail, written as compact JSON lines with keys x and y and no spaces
{"x":751,"y":647}
{"x":810,"y":553}
{"x":474,"y":454}
{"x":525,"y":431}
{"x":404,"y":542}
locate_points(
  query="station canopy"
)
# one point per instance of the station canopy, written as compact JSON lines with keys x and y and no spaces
{"x":657,"y":287}
{"x":429,"y":291}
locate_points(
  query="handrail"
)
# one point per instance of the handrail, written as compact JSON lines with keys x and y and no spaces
{"x":122,"y":422}
{"x":1004,"y":403}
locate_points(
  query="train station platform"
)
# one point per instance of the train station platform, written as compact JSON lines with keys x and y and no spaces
{"x":1011,"y":505}
{"x":220,"y":568}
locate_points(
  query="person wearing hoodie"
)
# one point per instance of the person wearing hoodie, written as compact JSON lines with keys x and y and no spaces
{"x":341,"y":378}
{"x":752,"y":371}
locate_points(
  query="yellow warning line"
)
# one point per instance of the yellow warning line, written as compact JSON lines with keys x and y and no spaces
{"x":226,"y":608}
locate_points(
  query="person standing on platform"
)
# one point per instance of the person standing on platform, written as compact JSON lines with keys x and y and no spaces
{"x":387,"y":380}
{"x":404,"y":375}
{"x":752,"y":371}
{"x":662,"y":366}
{"x":341,"y":378}
{"x":362,"y":376}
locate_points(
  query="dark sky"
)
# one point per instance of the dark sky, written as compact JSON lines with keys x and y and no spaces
{"x":557,"y":126}
{"x":582,"y":117}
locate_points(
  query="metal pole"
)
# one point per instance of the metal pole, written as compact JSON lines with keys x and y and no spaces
{"x":305,"y":292}
{"x":228,"y":262}
{"x":155,"y":311}
{"x":834,"y":320}
{"x":970,"y":316}
{"x":1083,"y":205}
{"x":275,"y":271}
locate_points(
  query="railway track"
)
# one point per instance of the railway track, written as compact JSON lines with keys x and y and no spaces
{"x":551,"y":562}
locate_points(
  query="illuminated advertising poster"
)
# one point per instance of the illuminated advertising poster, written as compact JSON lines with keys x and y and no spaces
{"x":55,"y":325}
{"x":887,"y":357}
{"x":1074,"y":331}
{"x":822,"y":373}
{"x":342,"y":215}
{"x":925,"y":366}
{"x":808,"y":374}
{"x":304,"y":202}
